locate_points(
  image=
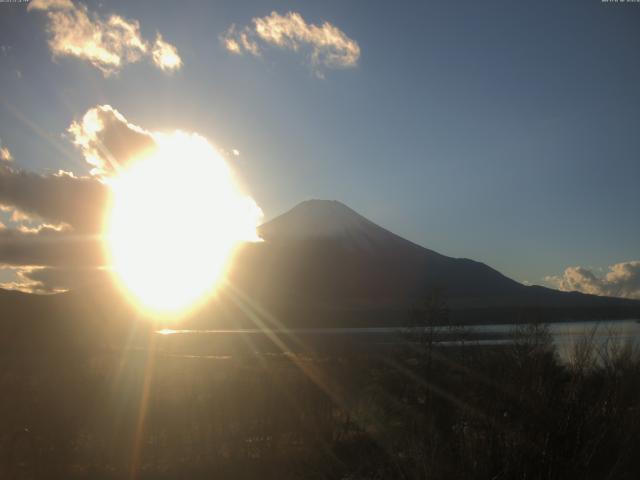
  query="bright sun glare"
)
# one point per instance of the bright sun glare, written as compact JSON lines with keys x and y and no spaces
{"x":175,"y":219}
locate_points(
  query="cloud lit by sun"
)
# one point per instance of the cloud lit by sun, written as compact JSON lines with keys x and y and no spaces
{"x":165,"y":55}
{"x":106,"y":42}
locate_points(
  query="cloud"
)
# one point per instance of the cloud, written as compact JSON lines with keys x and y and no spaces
{"x":46,"y":280}
{"x":16,"y":278}
{"x":5,"y":154}
{"x":49,"y":246}
{"x":108,"y":44}
{"x":57,"y":198}
{"x":328,"y":45}
{"x":622,"y":280}
{"x":53,"y":221}
{"x":53,"y":239}
{"x":165,"y":56}
{"x":108,"y":141}
{"x":50,"y":5}
{"x":51,"y":280}
{"x":29,"y":223}
{"x":239,"y":42}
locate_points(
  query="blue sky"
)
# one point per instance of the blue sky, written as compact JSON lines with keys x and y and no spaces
{"x":502,"y":131}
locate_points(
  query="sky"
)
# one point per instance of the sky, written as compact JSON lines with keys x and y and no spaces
{"x":501,"y":131}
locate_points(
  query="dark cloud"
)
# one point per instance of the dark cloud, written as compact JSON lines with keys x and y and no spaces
{"x":54,"y":243}
{"x":48,"y":246}
{"x":48,"y":280}
{"x":60,"y":198}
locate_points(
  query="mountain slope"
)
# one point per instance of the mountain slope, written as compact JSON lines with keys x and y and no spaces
{"x":323,"y":256}
{"x":331,"y":252}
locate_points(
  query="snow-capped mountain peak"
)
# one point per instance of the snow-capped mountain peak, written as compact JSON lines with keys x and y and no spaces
{"x":326,"y":219}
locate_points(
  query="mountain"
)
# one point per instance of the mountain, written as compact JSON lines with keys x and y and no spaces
{"x":332,"y":253}
{"x":328,"y":219}
{"x":321,"y":259}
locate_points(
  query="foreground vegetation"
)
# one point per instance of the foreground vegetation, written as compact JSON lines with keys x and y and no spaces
{"x":419,"y":412}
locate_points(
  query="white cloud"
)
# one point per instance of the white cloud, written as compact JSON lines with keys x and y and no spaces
{"x":5,"y":154}
{"x":622,"y":280}
{"x":240,"y":41}
{"x":50,"y":4}
{"x":18,"y":216}
{"x":329,"y":46}
{"x":165,"y":56}
{"x":108,"y":44}
{"x":60,"y":227}
{"x":230,"y":43}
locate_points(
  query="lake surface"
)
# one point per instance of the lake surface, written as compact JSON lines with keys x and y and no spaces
{"x":216,"y":343}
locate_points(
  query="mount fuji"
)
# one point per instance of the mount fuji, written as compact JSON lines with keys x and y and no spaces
{"x":321,"y":260}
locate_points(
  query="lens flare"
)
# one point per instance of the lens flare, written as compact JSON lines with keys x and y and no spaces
{"x":175,"y":219}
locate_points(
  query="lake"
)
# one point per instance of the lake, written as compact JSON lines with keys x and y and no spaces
{"x":204,"y":343}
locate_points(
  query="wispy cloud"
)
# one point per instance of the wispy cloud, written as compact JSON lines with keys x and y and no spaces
{"x":47,"y":280}
{"x":328,"y":46}
{"x":5,"y":154}
{"x":17,"y":278}
{"x":165,"y":56}
{"x":622,"y":280}
{"x":107,"y":43}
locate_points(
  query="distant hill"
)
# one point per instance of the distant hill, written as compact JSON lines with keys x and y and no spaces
{"x":323,"y":264}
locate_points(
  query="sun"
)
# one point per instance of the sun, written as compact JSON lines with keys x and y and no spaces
{"x":175,"y":218}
